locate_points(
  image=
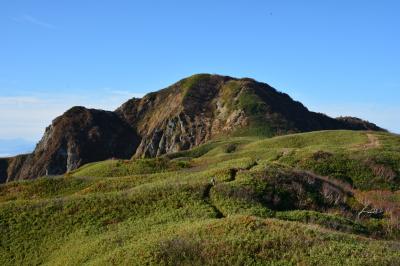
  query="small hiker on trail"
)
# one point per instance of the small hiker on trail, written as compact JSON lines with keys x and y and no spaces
{"x":213,"y":181}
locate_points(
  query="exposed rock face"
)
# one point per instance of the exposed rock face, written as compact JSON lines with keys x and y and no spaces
{"x":184,"y":115}
{"x":3,"y":170}
{"x":77,"y":137}
{"x":11,"y":167}
{"x":203,"y":107}
{"x":355,"y":123}
{"x":179,"y":117}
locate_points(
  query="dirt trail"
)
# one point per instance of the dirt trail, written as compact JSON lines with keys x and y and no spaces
{"x":207,"y":199}
{"x":373,"y":142}
{"x":232,"y":177}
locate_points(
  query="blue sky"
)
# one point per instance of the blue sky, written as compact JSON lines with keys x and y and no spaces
{"x":337,"y":57}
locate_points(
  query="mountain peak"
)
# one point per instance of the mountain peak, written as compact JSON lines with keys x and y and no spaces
{"x":186,"y":114}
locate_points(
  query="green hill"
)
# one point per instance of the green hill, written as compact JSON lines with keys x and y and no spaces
{"x":288,"y":200}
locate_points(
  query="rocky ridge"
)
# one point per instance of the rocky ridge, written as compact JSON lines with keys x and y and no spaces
{"x":182,"y":116}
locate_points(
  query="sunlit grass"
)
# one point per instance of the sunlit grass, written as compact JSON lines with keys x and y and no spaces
{"x":164,"y":210}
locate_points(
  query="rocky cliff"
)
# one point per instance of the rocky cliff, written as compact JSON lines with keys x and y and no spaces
{"x":77,"y":137}
{"x":184,"y":115}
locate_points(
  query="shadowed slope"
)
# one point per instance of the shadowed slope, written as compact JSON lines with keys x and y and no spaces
{"x":77,"y":137}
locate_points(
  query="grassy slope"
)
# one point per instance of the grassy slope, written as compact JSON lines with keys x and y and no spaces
{"x":164,"y":210}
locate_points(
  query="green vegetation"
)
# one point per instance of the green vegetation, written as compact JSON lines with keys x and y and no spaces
{"x":230,"y":91}
{"x":191,"y":82}
{"x":245,"y":98}
{"x":331,"y":221}
{"x":251,"y":103}
{"x":290,"y":200}
{"x":115,"y":168}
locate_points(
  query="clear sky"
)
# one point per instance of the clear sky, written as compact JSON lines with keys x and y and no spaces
{"x":337,"y":57}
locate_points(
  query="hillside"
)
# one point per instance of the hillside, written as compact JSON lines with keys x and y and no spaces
{"x":187,"y":114}
{"x":299,"y":199}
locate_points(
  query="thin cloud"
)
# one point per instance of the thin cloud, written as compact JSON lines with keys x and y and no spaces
{"x":26,"y":116}
{"x":19,"y":100}
{"x":32,"y":20}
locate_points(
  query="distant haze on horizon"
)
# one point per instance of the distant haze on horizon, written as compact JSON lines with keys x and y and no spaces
{"x":335,"y":57}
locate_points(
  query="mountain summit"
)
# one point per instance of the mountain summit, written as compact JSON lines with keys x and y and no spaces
{"x":184,"y":115}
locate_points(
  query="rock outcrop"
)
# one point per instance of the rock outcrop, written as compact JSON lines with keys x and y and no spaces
{"x":355,"y":123}
{"x":77,"y":137}
{"x":184,"y":115}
